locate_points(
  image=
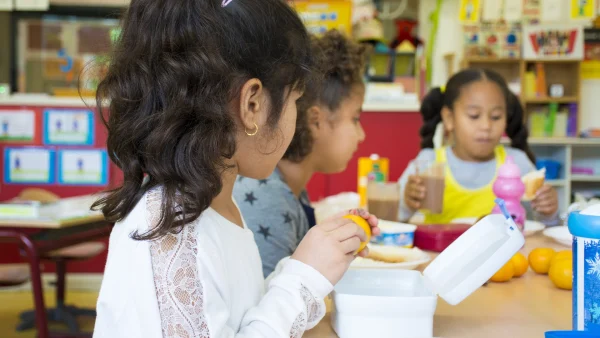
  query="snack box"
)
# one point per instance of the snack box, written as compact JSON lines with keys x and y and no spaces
{"x":401,"y":303}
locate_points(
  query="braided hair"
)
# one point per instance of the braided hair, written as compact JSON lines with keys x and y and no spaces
{"x":435,"y":100}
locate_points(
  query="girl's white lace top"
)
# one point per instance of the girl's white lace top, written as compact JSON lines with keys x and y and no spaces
{"x":205,"y":281}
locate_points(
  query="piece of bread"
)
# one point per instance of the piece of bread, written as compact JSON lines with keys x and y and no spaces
{"x":387,"y":257}
{"x":533,"y":182}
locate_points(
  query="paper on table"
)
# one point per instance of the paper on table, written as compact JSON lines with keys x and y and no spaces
{"x":68,"y":208}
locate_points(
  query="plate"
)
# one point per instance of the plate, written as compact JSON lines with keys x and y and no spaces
{"x":560,"y":234}
{"x":533,"y":227}
{"x":414,"y":257}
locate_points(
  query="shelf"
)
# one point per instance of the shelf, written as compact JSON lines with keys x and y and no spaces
{"x":551,"y":61}
{"x":564,"y":99}
{"x":492,"y":60}
{"x":585,"y":178}
{"x":45,"y":100}
{"x":559,"y":141}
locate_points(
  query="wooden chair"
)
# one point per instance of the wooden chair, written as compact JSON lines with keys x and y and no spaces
{"x":62,"y":312}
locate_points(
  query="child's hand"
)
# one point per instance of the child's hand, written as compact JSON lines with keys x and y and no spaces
{"x":329,"y":246}
{"x":414,"y":192}
{"x":545,"y":201}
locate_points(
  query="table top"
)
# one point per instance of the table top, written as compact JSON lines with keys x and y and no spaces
{"x":521,"y":308}
{"x":66,"y":212}
{"x":50,"y":223}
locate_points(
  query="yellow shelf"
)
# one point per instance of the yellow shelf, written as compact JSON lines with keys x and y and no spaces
{"x":564,"y":99}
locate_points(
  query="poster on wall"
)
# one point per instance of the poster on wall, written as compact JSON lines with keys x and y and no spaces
{"x":68,"y":127}
{"x":553,"y":42}
{"x":469,"y":11}
{"x":492,"y":40}
{"x":590,"y":67}
{"x":17,"y":125}
{"x":532,"y":10}
{"x":83,"y":167}
{"x":321,"y":16}
{"x":513,"y":10}
{"x":583,"y":9}
{"x":28,"y":166}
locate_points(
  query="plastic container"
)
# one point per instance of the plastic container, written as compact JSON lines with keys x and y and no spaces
{"x":552,"y":168}
{"x":437,"y":237}
{"x":395,"y":234}
{"x":585,"y":228}
{"x":401,"y":303}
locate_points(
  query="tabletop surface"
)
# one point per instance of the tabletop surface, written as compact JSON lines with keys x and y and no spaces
{"x":524,"y":307}
{"x":64,"y":213}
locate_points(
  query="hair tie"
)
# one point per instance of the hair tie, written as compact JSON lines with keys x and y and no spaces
{"x":442,"y":88}
{"x":225,"y":3}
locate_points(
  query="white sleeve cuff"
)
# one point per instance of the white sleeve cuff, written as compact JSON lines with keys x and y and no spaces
{"x":311,"y":278}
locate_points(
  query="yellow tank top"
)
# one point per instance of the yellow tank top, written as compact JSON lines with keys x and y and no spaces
{"x":460,"y":202}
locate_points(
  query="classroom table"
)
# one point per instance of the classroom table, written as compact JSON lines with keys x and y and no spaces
{"x":52,"y":234}
{"x":524,"y":307}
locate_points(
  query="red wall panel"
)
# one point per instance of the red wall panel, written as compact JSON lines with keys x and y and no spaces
{"x":392,"y":135}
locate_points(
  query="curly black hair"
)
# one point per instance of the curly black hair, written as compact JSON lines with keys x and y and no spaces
{"x":435,"y":100}
{"x":176,"y":67}
{"x":339,"y":65}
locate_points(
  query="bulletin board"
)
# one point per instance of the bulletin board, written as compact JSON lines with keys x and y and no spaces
{"x":72,"y":168}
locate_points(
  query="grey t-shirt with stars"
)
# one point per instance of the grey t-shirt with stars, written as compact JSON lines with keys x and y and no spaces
{"x":275,"y":215}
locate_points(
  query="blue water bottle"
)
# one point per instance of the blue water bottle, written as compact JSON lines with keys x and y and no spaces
{"x":585,"y":228}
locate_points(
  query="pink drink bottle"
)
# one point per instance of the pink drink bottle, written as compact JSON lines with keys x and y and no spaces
{"x":509,"y":187}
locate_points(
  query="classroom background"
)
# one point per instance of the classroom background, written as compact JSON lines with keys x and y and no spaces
{"x":52,"y":53}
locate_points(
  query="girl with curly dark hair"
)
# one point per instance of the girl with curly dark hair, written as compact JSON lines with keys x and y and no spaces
{"x":328,"y":132}
{"x":198,"y":92}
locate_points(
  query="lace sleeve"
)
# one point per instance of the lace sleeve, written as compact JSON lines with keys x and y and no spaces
{"x":315,"y":310}
{"x":178,"y":287}
{"x":192,"y":290}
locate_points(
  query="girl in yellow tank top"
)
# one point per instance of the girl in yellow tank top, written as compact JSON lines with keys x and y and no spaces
{"x":476,"y":109}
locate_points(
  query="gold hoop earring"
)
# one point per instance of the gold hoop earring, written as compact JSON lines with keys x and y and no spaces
{"x":253,"y":133}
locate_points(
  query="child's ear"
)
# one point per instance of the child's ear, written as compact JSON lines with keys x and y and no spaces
{"x":316,"y":119}
{"x":253,"y":102}
{"x":448,"y":119}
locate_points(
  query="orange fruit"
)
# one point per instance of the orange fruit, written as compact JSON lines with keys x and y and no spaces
{"x":564,"y":254}
{"x":520,"y":263}
{"x":561,"y":274}
{"x":505,"y":273}
{"x":540,"y":258}
{"x":361,"y":222}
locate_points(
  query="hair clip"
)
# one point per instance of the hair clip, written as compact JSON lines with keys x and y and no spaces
{"x":225,"y":3}
{"x":442,"y":88}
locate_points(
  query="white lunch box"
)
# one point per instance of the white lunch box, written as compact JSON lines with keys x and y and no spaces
{"x":401,"y":303}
